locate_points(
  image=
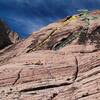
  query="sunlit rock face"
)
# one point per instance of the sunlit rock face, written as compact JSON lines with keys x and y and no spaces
{"x":59,"y":62}
{"x":7,"y":37}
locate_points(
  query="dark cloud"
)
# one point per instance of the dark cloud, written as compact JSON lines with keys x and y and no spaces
{"x":25,"y":16}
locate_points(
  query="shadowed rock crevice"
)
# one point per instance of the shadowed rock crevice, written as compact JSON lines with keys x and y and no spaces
{"x":77,"y":68}
{"x":45,"y":87}
{"x":18,"y":77}
{"x":53,"y":96}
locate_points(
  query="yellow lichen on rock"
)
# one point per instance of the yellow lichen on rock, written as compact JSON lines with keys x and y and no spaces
{"x":73,"y":18}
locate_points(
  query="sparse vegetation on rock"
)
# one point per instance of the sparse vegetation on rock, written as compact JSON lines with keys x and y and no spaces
{"x":59,"y":62}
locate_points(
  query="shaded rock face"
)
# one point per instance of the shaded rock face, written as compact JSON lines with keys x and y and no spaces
{"x":59,"y":62}
{"x":7,"y":37}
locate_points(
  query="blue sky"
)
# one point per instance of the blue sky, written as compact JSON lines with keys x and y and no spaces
{"x":26,"y":16}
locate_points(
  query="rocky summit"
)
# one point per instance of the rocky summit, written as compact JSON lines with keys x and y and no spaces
{"x":7,"y":37}
{"x":59,"y":62}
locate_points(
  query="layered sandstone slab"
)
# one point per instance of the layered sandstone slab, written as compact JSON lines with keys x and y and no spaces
{"x":77,"y":78}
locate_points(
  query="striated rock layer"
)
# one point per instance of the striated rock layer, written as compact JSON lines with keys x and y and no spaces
{"x":59,"y":62}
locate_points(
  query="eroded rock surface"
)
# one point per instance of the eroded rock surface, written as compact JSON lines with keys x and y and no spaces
{"x":58,"y":62}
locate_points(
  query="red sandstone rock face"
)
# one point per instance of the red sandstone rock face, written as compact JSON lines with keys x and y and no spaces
{"x":59,"y":62}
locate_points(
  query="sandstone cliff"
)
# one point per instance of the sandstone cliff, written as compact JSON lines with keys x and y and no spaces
{"x":59,"y":62}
